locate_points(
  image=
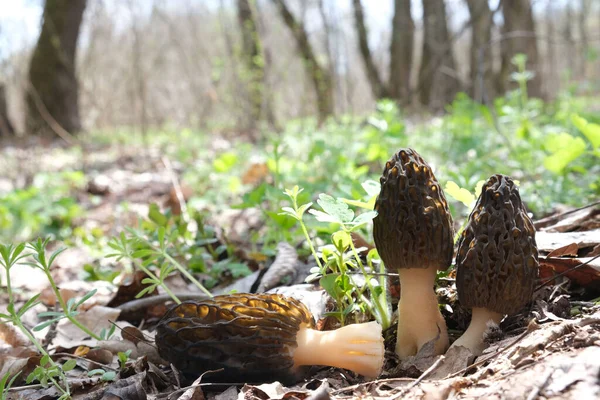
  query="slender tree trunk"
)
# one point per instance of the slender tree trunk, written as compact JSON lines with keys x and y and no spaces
{"x":438,"y":80}
{"x":570,"y":40}
{"x":583,"y":35}
{"x":253,"y":60}
{"x":481,"y":53}
{"x":363,"y":43}
{"x":401,"y":51}
{"x":519,"y":37}
{"x":52,"y":98}
{"x":551,"y":76}
{"x":319,"y":75}
{"x":6,"y":128}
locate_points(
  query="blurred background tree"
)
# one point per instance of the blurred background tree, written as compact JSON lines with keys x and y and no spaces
{"x":243,"y":65}
{"x":52,"y":90}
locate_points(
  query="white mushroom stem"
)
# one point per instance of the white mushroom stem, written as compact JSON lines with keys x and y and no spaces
{"x":419,"y":317}
{"x":357,"y":347}
{"x":472,"y":339}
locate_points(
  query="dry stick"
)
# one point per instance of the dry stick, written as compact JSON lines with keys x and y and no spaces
{"x":45,"y":114}
{"x":564,"y":272}
{"x":177,"y":187}
{"x":556,"y":216}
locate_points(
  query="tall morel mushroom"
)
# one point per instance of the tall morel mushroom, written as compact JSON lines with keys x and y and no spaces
{"x":413,"y":234}
{"x":496,"y":261}
{"x":261,"y":337}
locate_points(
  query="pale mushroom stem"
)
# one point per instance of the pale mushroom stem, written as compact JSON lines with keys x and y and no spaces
{"x":357,"y":347}
{"x":472,"y":339}
{"x":419,"y":317}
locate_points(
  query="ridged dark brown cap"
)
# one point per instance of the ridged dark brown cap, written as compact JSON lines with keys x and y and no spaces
{"x":497,"y":258}
{"x":251,"y":336}
{"x":413,"y":227}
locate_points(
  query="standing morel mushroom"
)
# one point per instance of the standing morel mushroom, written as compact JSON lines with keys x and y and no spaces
{"x":261,"y":337}
{"x":413,"y":234}
{"x":497,"y":259}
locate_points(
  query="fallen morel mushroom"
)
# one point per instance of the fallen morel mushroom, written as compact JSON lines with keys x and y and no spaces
{"x":413,"y":234}
{"x":497,"y":259}
{"x":261,"y":337}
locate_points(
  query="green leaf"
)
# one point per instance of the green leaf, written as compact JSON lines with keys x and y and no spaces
{"x":290,"y":212}
{"x":109,"y":376}
{"x":371,"y":187}
{"x":459,"y":194}
{"x":328,"y":283}
{"x":565,"y":149}
{"x":156,"y":216}
{"x":323,"y":217}
{"x":341,"y":240}
{"x":302,"y":209}
{"x":336,"y":208}
{"x":225,"y":162}
{"x":363,"y":219}
{"x":590,"y":130}
{"x":97,"y":371}
{"x":69,"y":365}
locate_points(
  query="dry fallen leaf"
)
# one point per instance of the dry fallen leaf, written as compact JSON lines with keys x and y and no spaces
{"x":568,"y":250}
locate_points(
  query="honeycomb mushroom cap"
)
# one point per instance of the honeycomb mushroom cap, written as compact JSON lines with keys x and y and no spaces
{"x":497,"y":258}
{"x":413,"y":227}
{"x":251,"y":336}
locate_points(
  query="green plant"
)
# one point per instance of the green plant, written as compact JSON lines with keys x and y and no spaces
{"x":341,"y":257}
{"x":48,"y":371}
{"x":158,"y":246}
{"x":68,"y":308}
{"x":6,"y":383}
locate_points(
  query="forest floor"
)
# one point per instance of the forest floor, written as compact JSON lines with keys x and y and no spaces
{"x":550,"y":351}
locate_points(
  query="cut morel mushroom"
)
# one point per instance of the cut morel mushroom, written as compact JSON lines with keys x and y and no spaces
{"x":260,"y":338}
{"x":496,"y":261}
{"x":413,"y":234}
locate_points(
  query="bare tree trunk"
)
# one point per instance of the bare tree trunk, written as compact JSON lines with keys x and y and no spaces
{"x":373,"y":76}
{"x":439,"y":83}
{"x":583,"y":36}
{"x":319,"y":75}
{"x":401,"y":51}
{"x":6,"y":128}
{"x":52,"y":98}
{"x":552,"y":85}
{"x":570,"y":40}
{"x":519,"y":37}
{"x":253,"y":60}
{"x":481,"y":53}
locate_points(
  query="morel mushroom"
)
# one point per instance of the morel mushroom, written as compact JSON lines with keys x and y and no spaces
{"x":261,"y":337}
{"x":497,"y":260}
{"x":413,"y":234}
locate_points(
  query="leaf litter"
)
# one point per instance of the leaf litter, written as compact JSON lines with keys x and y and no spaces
{"x":551,"y":350}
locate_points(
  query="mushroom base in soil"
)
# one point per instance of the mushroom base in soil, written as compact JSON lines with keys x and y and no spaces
{"x":473,"y":338}
{"x":419,"y":325}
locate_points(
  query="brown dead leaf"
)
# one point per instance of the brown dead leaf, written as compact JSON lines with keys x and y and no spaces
{"x":255,"y":174}
{"x":586,"y":276}
{"x":132,"y":334}
{"x":456,"y":359}
{"x":568,"y":250}
{"x":194,"y":392}
{"x":49,"y":299}
{"x":173,"y":201}
{"x":101,"y":356}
